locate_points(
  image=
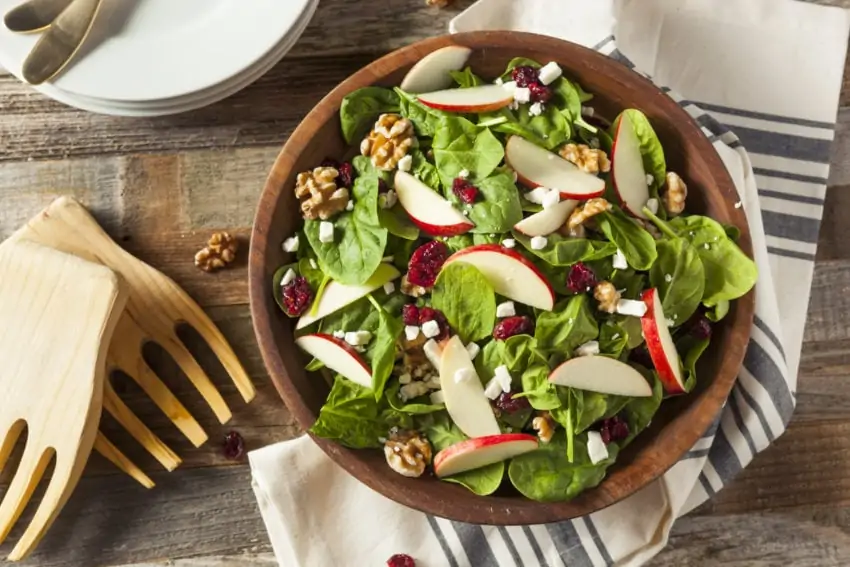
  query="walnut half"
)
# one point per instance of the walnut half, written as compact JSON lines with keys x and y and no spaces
{"x":389,"y":141}
{"x":675,"y":194}
{"x":544,"y":425}
{"x":607,"y":296}
{"x":587,"y":159}
{"x":578,"y":218}
{"x":320,"y":197}
{"x":220,"y":251}
{"x":408,"y":453}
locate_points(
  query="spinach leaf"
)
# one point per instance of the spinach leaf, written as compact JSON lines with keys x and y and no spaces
{"x":718,"y":311}
{"x":359,"y":239}
{"x":381,"y":349}
{"x":613,"y":339}
{"x":498,"y":207}
{"x":541,"y":394}
{"x":398,"y":223}
{"x":467,"y":300}
{"x":442,"y":433}
{"x":566,"y":251}
{"x":570,"y":324}
{"x":425,"y":120}
{"x":360,"y":108}
{"x":650,"y":146}
{"x":567,"y":98}
{"x":547,"y":475}
{"x":512,"y":126}
{"x":314,"y":277}
{"x":466,"y":78}
{"x":516,"y":353}
{"x":639,"y":411}
{"x":417,"y":406}
{"x":594,"y":406}
{"x":549,"y":129}
{"x":459,"y":144}
{"x":631,"y":282}
{"x":424,"y":170}
{"x":351,"y":416}
{"x":679,"y":277}
{"x":636,"y":244}
{"x":364,"y":168}
{"x":690,"y":349}
{"x":462,"y":241}
{"x":400,"y":249}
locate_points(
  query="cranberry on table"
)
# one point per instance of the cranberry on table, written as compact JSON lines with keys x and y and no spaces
{"x":426,"y":262}
{"x":524,"y":75}
{"x":401,"y":560}
{"x":510,"y":326}
{"x":296,"y":296}
{"x":581,"y":278}
{"x":234,"y":446}
{"x":465,"y":191}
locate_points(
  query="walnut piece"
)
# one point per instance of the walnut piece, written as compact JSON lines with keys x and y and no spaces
{"x":220,"y":251}
{"x":408,"y":453}
{"x":607,"y":296}
{"x":591,"y":208}
{"x":389,"y":141}
{"x":410,"y":289}
{"x":675,"y":194}
{"x":544,"y":425}
{"x":587,"y":159}
{"x":319,"y":195}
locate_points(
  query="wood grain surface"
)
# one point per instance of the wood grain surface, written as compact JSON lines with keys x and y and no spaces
{"x":161,"y":186}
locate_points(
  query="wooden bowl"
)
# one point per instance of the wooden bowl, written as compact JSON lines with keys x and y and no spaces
{"x":680,"y":422}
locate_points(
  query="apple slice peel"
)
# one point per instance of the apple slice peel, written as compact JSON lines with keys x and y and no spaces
{"x":465,"y":401}
{"x":601,"y":374}
{"x":482,"y":451}
{"x":537,"y":167}
{"x":627,"y":171}
{"x":427,"y":209}
{"x":547,"y":221}
{"x":483,"y":98}
{"x":659,"y":342}
{"x":431,"y":73}
{"x":337,"y":356}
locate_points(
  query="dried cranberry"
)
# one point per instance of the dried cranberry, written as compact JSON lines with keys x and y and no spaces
{"x":524,"y":75}
{"x":640,"y":355}
{"x":430,"y":314}
{"x":297,"y":296}
{"x":539,"y":92}
{"x":382,"y":186}
{"x":234,"y":446}
{"x":700,"y":327}
{"x":410,"y":314}
{"x":330,"y":162}
{"x":401,"y":560}
{"x":425,"y":263}
{"x":510,"y":326}
{"x":581,"y":278}
{"x":465,"y":191}
{"x":509,"y":404}
{"x":346,"y":175}
{"x":614,"y":429}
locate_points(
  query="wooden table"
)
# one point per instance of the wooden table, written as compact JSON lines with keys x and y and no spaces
{"x":162,"y":186}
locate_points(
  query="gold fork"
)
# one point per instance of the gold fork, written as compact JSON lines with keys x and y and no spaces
{"x":156,"y":305}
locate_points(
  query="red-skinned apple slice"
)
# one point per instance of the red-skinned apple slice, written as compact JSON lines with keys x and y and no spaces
{"x":601,"y":374}
{"x":537,"y":167}
{"x":427,"y":209}
{"x":510,"y":273}
{"x":482,"y":451}
{"x":338,"y":356}
{"x":547,"y":221}
{"x":483,"y":98}
{"x":465,"y":401}
{"x":659,"y":342}
{"x":627,"y":171}
{"x":431,"y":73}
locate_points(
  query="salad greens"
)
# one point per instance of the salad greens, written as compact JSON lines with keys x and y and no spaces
{"x":393,"y":288}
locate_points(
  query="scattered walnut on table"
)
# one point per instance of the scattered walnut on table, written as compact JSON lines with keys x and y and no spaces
{"x":408,"y":453}
{"x":220,"y":251}
{"x":675,"y":193}
{"x":587,"y":159}
{"x":607,"y":296}
{"x":544,"y":425}
{"x":389,"y":141}
{"x":320,"y":197}
{"x":580,"y":216}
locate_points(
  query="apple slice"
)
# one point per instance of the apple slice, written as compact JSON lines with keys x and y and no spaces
{"x":482,"y":451}
{"x":627,"y":170}
{"x":483,"y":98}
{"x":431,"y":73}
{"x":510,"y":273}
{"x":601,"y":374}
{"x":337,"y":295}
{"x":466,"y":403}
{"x":660,"y":344}
{"x":537,"y":167}
{"x":427,"y":209}
{"x":338,"y":356}
{"x":547,"y":221}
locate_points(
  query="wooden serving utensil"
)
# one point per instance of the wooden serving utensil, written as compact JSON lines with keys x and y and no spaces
{"x":155,"y":307}
{"x":57,"y":315}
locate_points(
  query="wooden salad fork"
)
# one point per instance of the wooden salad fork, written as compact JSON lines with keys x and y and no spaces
{"x":57,"y":315}
{"x":156,"y":305}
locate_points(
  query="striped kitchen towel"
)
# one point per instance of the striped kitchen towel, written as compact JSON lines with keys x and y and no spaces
{"x":764,"y":75}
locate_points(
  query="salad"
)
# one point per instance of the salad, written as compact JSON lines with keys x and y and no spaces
{"x":503,"y":285}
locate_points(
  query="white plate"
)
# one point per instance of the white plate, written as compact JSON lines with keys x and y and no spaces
{"x":149,"y":50}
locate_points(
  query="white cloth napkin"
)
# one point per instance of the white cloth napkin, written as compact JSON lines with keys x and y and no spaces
{"x":763,"y":75}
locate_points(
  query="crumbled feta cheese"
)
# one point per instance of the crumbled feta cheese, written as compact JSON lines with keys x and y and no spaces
{"x":509,"y":243}
{"x":313,"y":264}
{"x":499,"y":81}
{"x":493,"y":389}
{"x":358,"y":338}
{"x":652,"y":205}
{"x":287,"y":277}
{"x":433,"y":352}
{"x":596,"y":448}
{"x":503,"y":377}
{"x":668,"y":278}
{"x":535,"y":109}
{"x":473,"y":349}
{"x":739,"y":204}
{"x":326,"y":232}
{"x":430,"y":329}
{"x":588,"y":111}
{"x":615,"y":337}
{"x":522,"y":95}
{"x":463,"y":173}
{"x":670,"y":322}
{"x":413,"y":390}
{"x":588,"y":349}
{"x":405,"y":163}
{"x":291,"y":244}
{"x":631,"y":307}
{"x":492,"y":235}
{"x":388,"y":200}
{"x":349,"y":206}
{"x":389,"y":287}
{"x":509,"y":85}
{"x":594,"y":143}
{"x":619,"y":261}
{"x":466,"y":213}
{"x":539,"y":242}
{"x":411,"y":332}
{"x":514,"y":105}
{"x":506,"y":309}
{"x":464,"y":374}
{"x":649,"y":179}
{"x":437,"y":397}
{"x":339,"y":334}
{"x":552,"y":198}
{"x":549,"y":72}
{"x":537,"y":195}
{"x":405,"y":378}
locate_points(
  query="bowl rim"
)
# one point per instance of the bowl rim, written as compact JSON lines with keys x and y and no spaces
{"x":263,"y":306}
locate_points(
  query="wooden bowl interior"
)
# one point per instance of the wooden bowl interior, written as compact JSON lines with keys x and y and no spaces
{"x":680,"y":422}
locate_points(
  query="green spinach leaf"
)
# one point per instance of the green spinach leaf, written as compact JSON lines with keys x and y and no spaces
{"x":425,"y":171}
{"x":498,"y":207}
{"x":570,"y":324}
{"x":679,"y":277}
{"x":718,"y":311}
{"x":466,"y":78}
{"x":650,"y":146}
{"x":360,"y":108}
{"x":566,"y":251}
{"x":425,"y":120}
{"x":636,"y":244}
{"x":594,"y":406}
{"x":351,"y":416}
{"x":639,"y":411}
{"x":541,"y":394}
{"x":690,"y":349}
{"x":613,"y":339}
{"x":461,"y":145}
{"x":417,"y":406}
{"x":467,"y":300}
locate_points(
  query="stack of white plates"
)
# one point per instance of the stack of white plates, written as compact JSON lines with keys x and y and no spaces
{"x":157,"y":57}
